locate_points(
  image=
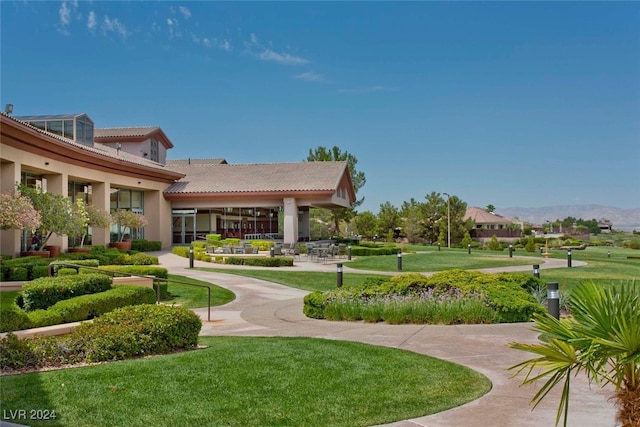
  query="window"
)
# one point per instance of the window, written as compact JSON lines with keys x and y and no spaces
{"x":68,"y":129}
{"x":154,"y":155}
{"x":55,"y":126}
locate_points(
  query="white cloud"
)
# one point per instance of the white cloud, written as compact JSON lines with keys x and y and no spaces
{"x":281,"y":58}
{"x":185,"y":12}
{"x":254,"y":39}
{"x":65,"y":14}
{"x":225,"y":45}
{"x":92,"y":21}
{"x":310,"y":76}
{"x":114,"y":26}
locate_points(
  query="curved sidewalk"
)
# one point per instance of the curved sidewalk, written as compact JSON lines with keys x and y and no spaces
{"x":267,"y":309}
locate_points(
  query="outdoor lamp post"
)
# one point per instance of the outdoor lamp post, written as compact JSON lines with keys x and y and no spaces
{"x":448,"y":221}
{"x":339,"y":276}
{"x":553,"y":299}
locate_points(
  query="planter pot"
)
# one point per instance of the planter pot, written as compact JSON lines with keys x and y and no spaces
{"x":41,"y":254}
{"x":121,"y":246}
{"x":54,"y":250}
{"x":76,"y":250}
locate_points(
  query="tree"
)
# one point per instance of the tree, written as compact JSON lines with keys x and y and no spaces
{"x":494,"y":244}
{"x":322,"y":154}
{"x":466,"y":240}
{"x":366,"y":224}
{"x":490,"y":208}
{"x":388,"y":218}
{"x":17,"y":212}
{"x":128,"y":219}
{"x":56,"y":212}
{"x":87,"y":216}
{"x":601,"y":339}
{"x":413,"y":224}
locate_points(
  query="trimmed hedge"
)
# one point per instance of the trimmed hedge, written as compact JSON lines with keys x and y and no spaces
{"x":46,"y":291}
{"x":142,"y":245}
{"x":138,"y":270}
{"x":23,"y":269}
{"x":84,"y":307}
{"x":127,"y":332}
{"x":137,"y":331}
{"x":504,"y":293}
{"x":373,"y":251}
{"x":260,"y":261}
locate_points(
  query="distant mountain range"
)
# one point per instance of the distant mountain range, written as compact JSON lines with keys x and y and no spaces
{"x":622,"y":219}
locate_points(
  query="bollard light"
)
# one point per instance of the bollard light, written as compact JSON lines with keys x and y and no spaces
{"x":536,"y":270}
{"x":438,"y":246}
{"x":349,"y":252}
{"x":553,"y":299}
{"x":190,"y":256}
{"x":272,"y":251}
{"x":510,"y":251}
{"x":469,"y":248}
{"x":541,"y":248}
{"x":569,"y":258}
{"x":400,"y":260}
{"x":339,"y":275}
{"x":608,"y":254}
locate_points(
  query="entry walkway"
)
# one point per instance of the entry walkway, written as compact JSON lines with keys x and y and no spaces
{"x":267,"y":309}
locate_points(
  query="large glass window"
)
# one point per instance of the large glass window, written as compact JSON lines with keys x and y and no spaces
{"x":128,"y":200}
{"x":68,"y":129}
{"x":55,"y":126}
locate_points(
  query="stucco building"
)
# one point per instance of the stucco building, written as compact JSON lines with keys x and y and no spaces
{"x":128,"y":168}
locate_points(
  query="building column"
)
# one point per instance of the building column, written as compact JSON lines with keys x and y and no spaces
{"x":157,"y":210}
{"x":9,"y":177}
{"x":290,"y":220}
{"x":101,"y":197}
{"x":304,"y":224}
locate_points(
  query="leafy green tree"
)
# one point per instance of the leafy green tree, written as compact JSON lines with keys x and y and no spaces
{"x":601,"y":338}
{"x":322,"y":154}
{"x":531,"y":244}
{"x":434,"y":214}
{"x":490,"y":208}
{"x":466,"y":240}
{"x":388,"y":218}
{"x":56,"y":212}
{"x":411,"y":218}
{"x":366,"y":224}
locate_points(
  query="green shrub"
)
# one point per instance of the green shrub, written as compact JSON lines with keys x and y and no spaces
{"x":18,"y":274}
{"x":46,"y":291}
{"x":141,"y":259}
{"x":212,"y":238}
{"x":504,"y":294}
{"x":260,"y":261}
{"x":142,"y":245}
{"x":89,"y":306}
{"x":137,"y":331}
{"x":57,"y":266}
{"x":67,"y":272}
{"x":16,"y":353}
{"x":494,"y":245}
{"x":182,"y":251}
{"x":39,"y":271}
{"x":40,"y":318}
{"x":13,"y":318}
{"x":370,"y":250}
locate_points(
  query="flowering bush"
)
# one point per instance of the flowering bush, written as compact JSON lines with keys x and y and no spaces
{"x":128,"y":219}
{"x":17,"y":212}
{"x":87,"y":215}
{"x":56,"y":212}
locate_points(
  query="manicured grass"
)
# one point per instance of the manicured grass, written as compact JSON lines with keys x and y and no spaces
{"x":305,"y":280}
{"x":600,"y":268}
{"x":437,"y":261}
{"x":241,"y":381}
{"x":195,"y":296}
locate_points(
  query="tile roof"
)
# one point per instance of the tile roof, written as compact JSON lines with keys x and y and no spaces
{"x":481,"y":216}
{"x":259,"y":177}
{"x":124,"y":131}
{"x":187,"y":162}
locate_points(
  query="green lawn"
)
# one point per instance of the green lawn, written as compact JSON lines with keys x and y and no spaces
{"x":195,"y":296}
{"x":240,"y":381}
{"x":305,"y":280}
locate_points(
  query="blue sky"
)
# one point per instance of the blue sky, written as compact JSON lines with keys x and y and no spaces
{"x":504,"y":103}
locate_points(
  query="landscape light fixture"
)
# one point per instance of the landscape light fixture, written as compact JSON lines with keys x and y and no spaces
{"x":448,"y":221}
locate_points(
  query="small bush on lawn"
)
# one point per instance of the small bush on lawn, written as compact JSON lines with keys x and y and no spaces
{"x":46,"y":291}
{"x":449,"y":297}
{"x":137,"y":331}
{"x":67,"y":272}
{"x":182,"y":251}
{"x":57,"y":266}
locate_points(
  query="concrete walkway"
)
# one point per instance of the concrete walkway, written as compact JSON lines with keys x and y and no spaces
{"x":267,"y":309}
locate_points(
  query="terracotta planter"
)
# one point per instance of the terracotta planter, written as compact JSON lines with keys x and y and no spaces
{"x":121,"y":246}
{"x":54,"y":251}
{"x":41,"y":254}
{"x":76,"y":250}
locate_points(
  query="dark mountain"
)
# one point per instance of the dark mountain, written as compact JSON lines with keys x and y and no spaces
{"x":622,"y":219}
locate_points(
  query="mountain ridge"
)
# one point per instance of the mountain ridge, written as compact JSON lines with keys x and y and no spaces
{"x":622,"y":219}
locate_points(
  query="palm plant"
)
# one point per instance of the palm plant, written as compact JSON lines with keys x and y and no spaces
{"x":601,"y":339}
